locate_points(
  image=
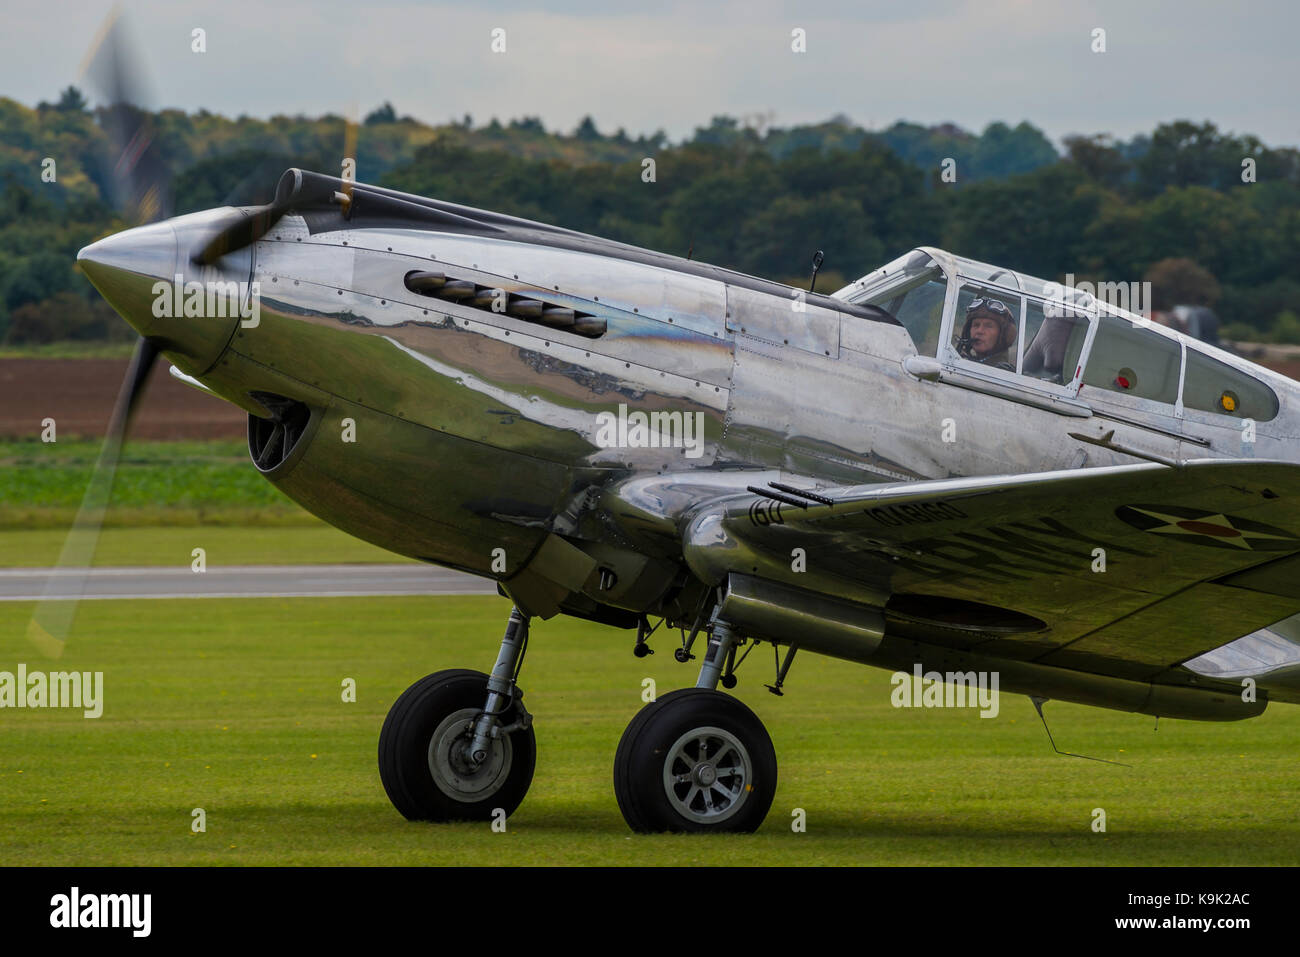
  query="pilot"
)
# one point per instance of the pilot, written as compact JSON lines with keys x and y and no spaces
{"x":989,"y":334}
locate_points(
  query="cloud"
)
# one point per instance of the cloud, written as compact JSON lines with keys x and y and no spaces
{"x":675,"y":65}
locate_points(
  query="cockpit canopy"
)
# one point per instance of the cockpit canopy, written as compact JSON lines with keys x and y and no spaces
{"x":1035,"y":334}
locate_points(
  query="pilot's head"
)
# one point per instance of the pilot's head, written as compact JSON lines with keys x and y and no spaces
{"x":990,"y":330}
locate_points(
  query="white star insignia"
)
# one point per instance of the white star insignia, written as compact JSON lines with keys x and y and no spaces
{"x":1218,"y":527}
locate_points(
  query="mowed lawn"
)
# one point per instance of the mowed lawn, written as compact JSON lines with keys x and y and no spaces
{"x":168,"y":499}
{"x":223,"y":545}
{"x":235,"y":707}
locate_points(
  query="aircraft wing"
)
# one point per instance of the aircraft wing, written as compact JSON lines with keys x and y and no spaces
{"x":1126,"y":571}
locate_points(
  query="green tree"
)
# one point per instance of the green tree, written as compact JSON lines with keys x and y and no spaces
{"x":1036,"y":222}
{"x":71,"y":101}
{"x":1005,"y":151}
{"x":1099,"y":159}
{"x":1191,"y":154}
{"x":1181,"y":282}
{"x":384,"y":114}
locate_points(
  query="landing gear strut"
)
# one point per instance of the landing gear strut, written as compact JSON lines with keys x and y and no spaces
{"x":458,"y":745}
{"x":697,"y":759}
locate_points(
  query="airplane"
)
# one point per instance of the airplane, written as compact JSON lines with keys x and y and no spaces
{"x":944,"y":464}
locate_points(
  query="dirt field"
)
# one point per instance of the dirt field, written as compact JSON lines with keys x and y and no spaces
{"x":1288,"y":368}
{"x":79,"y":394}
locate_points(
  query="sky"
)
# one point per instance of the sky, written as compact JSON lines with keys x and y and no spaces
{"x":674,"y":65}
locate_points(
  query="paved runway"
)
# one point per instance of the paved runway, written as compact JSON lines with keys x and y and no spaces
{"x":241,"y":581}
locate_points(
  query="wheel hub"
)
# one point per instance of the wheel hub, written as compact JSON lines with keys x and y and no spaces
{"x":707,"y":775}
{"x":451,"y":767}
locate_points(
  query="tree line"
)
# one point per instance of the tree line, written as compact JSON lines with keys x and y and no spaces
{"x":1209,"y":217}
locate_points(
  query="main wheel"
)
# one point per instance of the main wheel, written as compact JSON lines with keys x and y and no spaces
{"x":695,"y":760}
{"x":422,"y":759}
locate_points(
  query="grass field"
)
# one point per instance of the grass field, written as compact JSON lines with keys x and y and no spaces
{"x":168,"y":498}
{"x":157,"y":483}
{"x":235,"y":707}
{"x":69,"y":349}
{"x":224,"y":545}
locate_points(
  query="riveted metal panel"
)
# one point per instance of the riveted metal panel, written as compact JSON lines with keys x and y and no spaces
{"x":793,"y":323}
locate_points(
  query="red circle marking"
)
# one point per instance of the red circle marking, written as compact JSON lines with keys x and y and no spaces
{"x":1205,"y":528}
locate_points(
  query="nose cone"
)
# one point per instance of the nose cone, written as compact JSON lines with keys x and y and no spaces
{"x":148,"y":279}
{"x":147,"y":251}
{"x":125,"y":266}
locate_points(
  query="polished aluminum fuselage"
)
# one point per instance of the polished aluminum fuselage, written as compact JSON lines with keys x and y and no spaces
{"x":450,"y":431}
{"x":475,"y":439}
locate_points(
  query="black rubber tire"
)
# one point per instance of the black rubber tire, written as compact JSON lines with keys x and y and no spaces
{"x":404,"y":751}
{"x":643,"y":749}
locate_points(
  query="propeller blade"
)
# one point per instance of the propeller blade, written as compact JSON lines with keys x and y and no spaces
{"x":297,"y":189}
{"x":255,"y":224}
{"x":251,"y":190}
{"x":52,"y":620}
{"x":141,"y":178}
{"x":139,"y":171}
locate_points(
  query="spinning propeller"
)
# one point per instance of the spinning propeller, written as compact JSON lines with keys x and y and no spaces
{"x":140,"y":180}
